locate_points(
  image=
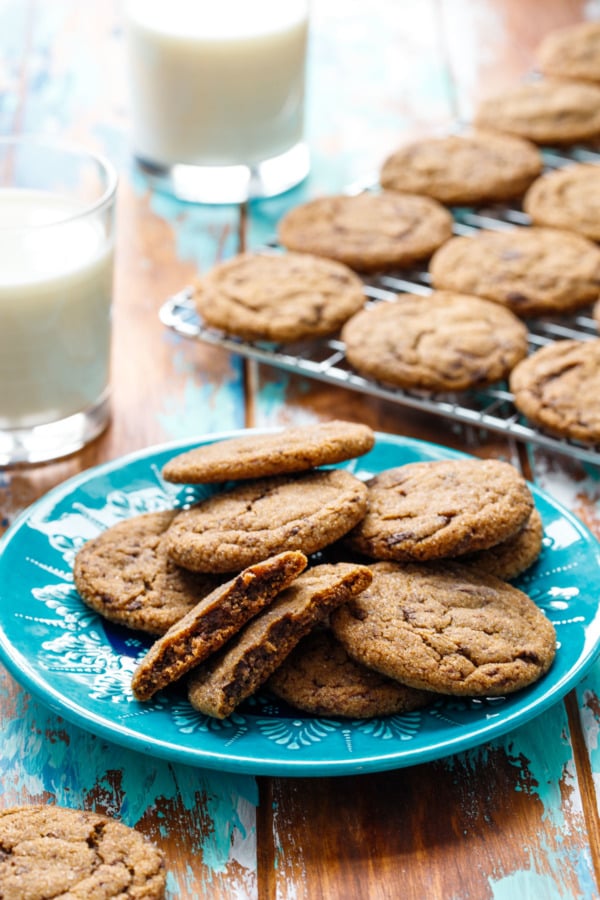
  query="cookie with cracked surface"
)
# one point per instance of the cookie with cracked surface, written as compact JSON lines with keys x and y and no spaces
{"x":548,"y":111}
{"x":217,"y":687}
{"x":260,"y":455}
{"x":214,"y":620}
{"x":532,"y":271}
{"x":479,"y":167}
{"x":510,"y":558}
{"x":571,"y":52}
{"x":558,"y":388}
{"x":126,"y":576}
{"x":258,"y":518}
{"x":279,"y":297}
{"x":443,"y":342}
{"x":441,"y":508}
{"x":447,"y":628}
{"x":51,"y":851}
{"x":320,"y":677}
{"x":368,"y":231}
{"x":567,"y":198}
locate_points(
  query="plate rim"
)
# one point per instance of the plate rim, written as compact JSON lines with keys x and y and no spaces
{"x":88,"y":720}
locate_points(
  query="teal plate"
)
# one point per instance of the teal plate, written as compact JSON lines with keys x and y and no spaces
{"x":81,"y":666}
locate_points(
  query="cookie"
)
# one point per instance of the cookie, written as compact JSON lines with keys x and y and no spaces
{"x":558,"y":388}
{"x":548,"y":111}
{"x":532,"y":271}
{"x":217,"y":687}
{"x":258,"y":518}
{"x":567,"y":198}
{"x":261,"y":455}
{"x":443,"y":342}
{"x":480,"y":167}
{"x":447,"y":628}
{"x":571,"y":52}
{"x":213,"y":621}
{"x":513,"y":556}
{"x":441,"y":508}
{"x":50,"y":852}
{"x":368,"y":231}
{"x":320,"y":677}
{"x":125,"y":575}
{"x":279,"y":297}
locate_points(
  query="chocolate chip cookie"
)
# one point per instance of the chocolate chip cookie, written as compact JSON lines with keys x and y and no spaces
{"x":258,"y":518}
{"x":443,"y":342}
{"x":447,"y":628}
{"x":213,"y":621}
{"x":259,"y":455}
{"x":279,"y":297}
{"x":320,"y":677}
{"x":510,"y":558}
{"x":125,"y":575}
{"x":480,"y":167}
{"x":532,"y":271}
{"x":567,"y":198}
{"x":47,"y":852}
{"x":558,"y":388}
{"x":218,"y":686}
{"x":441,"y":508}
{"x":571,"y":52}
{"x":368,"y":231}
{"x":548,"y":111}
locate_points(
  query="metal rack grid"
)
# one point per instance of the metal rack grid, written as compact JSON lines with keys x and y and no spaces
{"x":490,"y":408}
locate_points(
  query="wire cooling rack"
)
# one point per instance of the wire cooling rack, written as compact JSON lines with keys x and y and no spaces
{"x":490,"y":408}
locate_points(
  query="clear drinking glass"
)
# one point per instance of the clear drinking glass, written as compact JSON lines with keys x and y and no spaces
{"x":56,"y":272}
{"x":217,"y":95}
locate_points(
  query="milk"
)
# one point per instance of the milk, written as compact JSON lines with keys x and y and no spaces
{"x":216,"y":82}
{"x":55,"y":298}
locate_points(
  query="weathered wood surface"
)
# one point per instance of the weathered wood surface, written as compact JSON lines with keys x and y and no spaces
{"x":514,"y":818}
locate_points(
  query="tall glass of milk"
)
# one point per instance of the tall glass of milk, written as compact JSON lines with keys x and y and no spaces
{"x":217,"y":95}
{"x":56,"y":267}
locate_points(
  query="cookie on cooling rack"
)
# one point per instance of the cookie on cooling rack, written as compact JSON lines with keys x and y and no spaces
{"x":447,"y":628}
{"x":319,"y":677}
{"x":548,"y":111}
{"x":558,"y":388}
{"x":441,"y":508}
{"x":571,"y":52}
{"x":278,"y":297}
{"x":567,"y":198}
{"x":368,"y":231}
{"x":52,"y":851}
{"x":532,"y":271}
{"x":218,"y":686}
{"x":260,"y":455}
{"x":210,"y":624}
{"x":442,"y":342}
{"x":479,"y":167}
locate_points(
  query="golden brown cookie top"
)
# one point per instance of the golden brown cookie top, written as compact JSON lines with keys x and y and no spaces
{"x":478,"y":167}
{"x":532,"y":271}
{"x":548,"y":111}
{"x":441,"y":508}
{"x":442,"y":342}
{"x":48,"y":852}
{"x":558,"y":388}
{"x":510,"y":558}
{"x":567,"y":198}
{"x":447,"y":628}
{"x":254,"y":455}
{"x":278,"y":297}
{"x":572,"y":52}
{"x":367,"y":231}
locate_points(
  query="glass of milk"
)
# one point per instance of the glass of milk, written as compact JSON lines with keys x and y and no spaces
{"x":56,"y":271}
{"x":217,"y":95}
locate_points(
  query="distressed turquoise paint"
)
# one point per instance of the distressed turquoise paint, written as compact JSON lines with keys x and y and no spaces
{"x":526,"y":885}
{"x":204,"y":408}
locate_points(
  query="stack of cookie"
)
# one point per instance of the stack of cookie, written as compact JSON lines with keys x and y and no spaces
{"x":236,"y":590}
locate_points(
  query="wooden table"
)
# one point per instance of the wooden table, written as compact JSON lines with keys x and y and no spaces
{"x":515,"y":818}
